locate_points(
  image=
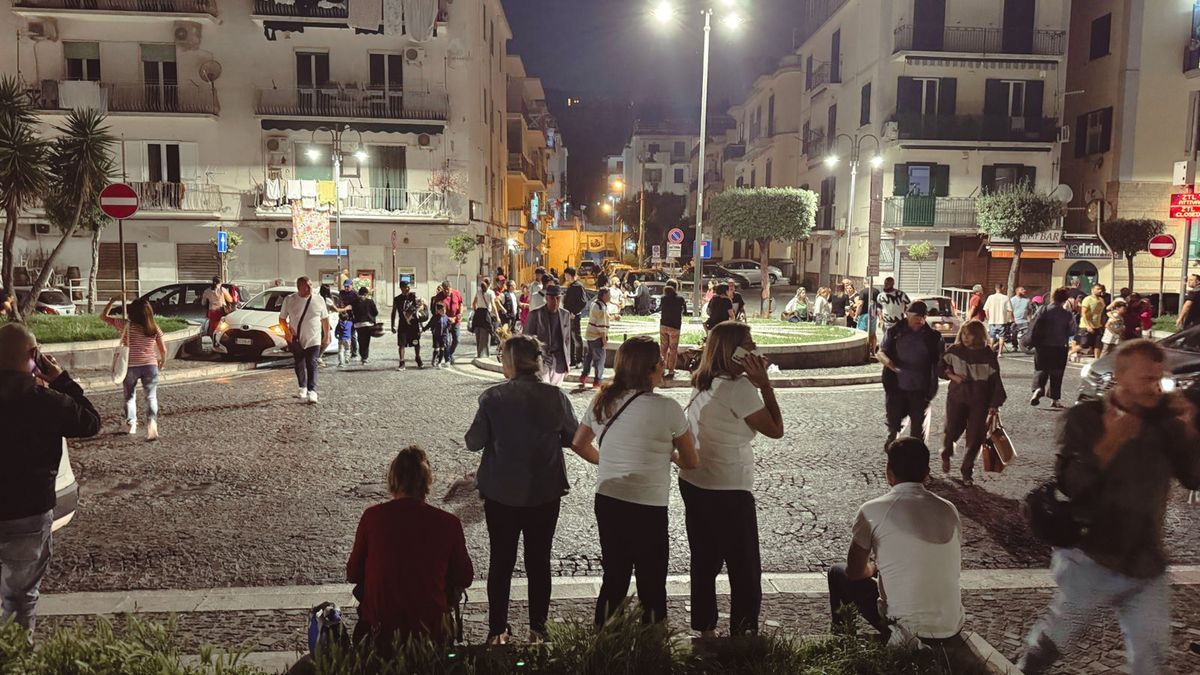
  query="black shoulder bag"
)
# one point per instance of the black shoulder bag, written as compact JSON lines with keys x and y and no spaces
{"x":614,"y":418}
{"x":294,"y":345}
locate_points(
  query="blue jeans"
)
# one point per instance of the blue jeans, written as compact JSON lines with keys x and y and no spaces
{"x":1084,"y":586}
{"x":148,"y":375}
{"x":25,"y":548}
{"x":594,"y":356}
{"x":453,"y":342}
{"x":306,"y":367}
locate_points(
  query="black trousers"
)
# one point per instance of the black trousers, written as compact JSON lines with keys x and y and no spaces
{"x":632,"y":537}
{"x":505,"y":525}
{"x":1049,"y":364}
{"x":914,"y":405}
{"x":722,"y":529}
{"x":364,"y":341}
{"x":862,"y":594}
{"x":577,"y":348}
{"x":962,"y":416}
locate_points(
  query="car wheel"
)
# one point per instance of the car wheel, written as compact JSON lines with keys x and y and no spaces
{"x":774,"y":279}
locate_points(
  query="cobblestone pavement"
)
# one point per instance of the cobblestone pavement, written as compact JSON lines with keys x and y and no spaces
{"x":1003,"y":618}
{"x":250,"y":487}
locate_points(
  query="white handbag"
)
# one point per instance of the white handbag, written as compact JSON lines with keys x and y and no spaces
{"x":120,"y":362}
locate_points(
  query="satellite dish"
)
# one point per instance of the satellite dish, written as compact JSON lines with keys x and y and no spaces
{"x":210,"y":71}
{"x":1063,"y":193}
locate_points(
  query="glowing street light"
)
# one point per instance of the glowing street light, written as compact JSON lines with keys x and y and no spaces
{"x":831,"y":161}
{"x":876,"y":161}
{"x":663,"y":12}
{"x":733,"y":21}
{"x":618,"y":185}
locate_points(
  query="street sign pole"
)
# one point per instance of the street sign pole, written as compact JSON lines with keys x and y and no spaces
{"x":120,"y":201}
{"x":1187,"y":251}
{"x":1162,"y":281}
{"x":121,"y":243}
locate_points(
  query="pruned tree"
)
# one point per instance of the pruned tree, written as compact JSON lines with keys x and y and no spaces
{"x":1130,"y":236}
{"x":460,"y":246}
{"x":765,"y":215}
{"x":663,"y":212}
{"x":24,"y":177}
{"x":1017,"y":213}
{"x":920,"y":252}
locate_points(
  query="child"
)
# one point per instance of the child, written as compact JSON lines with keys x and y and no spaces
{"x":439,"y":327}
{"x":344,"y":332}
{"x":1114,"y":328}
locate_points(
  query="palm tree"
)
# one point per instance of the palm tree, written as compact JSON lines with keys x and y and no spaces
{"x":23,"y":175}
{"x":81,"y":160}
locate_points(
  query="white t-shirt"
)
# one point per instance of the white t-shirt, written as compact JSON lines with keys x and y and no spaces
{"x":718,"y":419}
{"x":997,"y":309}
{"x":892,"y":306}
{"x":310,"y":329}
{"x":635,"y":460}
{"x":537,"y":296}
{"x":484,"y":300}
{"x":914,"y":535}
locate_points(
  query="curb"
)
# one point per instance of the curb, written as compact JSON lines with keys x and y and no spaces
{"x":99,"y":383}
{"x":781,"y":382}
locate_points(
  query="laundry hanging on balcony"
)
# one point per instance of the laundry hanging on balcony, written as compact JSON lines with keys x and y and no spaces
{"x":310,"y":228}
{"x":326,"y":192}
{"x":420,"y":17}
{"x":74,"y":94}
{"x":393,"y":17}
{"x":365,"y":14}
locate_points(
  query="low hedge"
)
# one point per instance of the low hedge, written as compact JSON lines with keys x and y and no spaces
{"x":51,"y":329}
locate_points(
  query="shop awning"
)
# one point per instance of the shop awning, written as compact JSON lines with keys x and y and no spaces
{"x":1028,"y":253}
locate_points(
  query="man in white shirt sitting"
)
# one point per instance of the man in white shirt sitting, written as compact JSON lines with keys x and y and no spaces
{"x":910,"y":592}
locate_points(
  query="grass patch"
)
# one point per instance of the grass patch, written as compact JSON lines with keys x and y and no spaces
{"x":51,"y":329}
{"x":1166,"y":322}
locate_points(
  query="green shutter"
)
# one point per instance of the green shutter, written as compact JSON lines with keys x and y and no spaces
{"x":900,"y":180}
{"x":940,"y":177}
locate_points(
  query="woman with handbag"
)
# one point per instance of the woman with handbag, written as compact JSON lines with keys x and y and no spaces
{"x":365,"y":313}
{"x":975,"y":395}
{"x":147,"y":353}
{"x":481,"y":318}
{"x":640,"y":434}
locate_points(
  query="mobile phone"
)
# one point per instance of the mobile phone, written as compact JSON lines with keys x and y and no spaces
{"x":740,"y":354}
{"x":35,"y":363}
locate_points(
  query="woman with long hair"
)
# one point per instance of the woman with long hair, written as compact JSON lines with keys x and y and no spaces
{"x":822,"y":307}
{"x":481,"y":318}
{"x":796,"y":309}
{"x":974,"y":397}
{"x":523,"y":303}
{"x":633,"y":435}
{"x":597,"y":339}
{"x":147,"y":354}
{"x":670,"y":309}
{"x":732,"y":402}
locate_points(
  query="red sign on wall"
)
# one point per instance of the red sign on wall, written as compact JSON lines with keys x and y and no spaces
{"x":1185,"y":205}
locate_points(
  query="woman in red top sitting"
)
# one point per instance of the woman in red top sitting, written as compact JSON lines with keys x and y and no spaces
{"x":407,"y":555}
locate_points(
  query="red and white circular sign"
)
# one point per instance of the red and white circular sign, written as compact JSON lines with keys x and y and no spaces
{"x":1162,"y":246}
{"x":118,"y":201}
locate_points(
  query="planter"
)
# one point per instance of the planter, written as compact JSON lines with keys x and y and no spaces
{"x":99,"y":353}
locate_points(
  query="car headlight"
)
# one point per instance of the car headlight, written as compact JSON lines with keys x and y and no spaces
{"x":1167,"y":384}
{"x":1182,"y":381}
{"x":277,"y":329}
{"x":222,"y":326}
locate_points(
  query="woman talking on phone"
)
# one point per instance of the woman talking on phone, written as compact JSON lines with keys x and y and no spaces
{"x":146,"y":355}
{"x":732,"y":401}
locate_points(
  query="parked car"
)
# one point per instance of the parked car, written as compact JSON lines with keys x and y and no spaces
{"x":66,"y":491}
{"x":943,"y":315}
{"x":254,"y":331}
{"x":722,"y":275}
{"x":1182,"y":367}
{"x":752,"y":270}
{"x":588,"y":268}
{"x":182,"y":300}
{"x":50,"y":301}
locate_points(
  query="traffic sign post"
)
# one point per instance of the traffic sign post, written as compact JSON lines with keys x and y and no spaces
{"x":1185,"y":205}
{"x":1162,"y":246}
{"x":705,"y":246}
{"x":120,"y":201}
{"x":675,"y":236}
{"x":674,"y":250}
{"x":222,"y":242}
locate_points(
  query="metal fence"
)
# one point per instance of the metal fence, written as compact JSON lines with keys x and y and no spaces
{"x":920,"y":211}
{"x":155,"y":6}
{"x":980,"y":40}
{"x":353,"y":100}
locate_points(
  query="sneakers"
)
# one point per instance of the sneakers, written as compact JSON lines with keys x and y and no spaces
{"x":583,"y":381}
{"x":401,"y":366}
{"x":312,"y":397}
{"x":1036,"y":398}
{"x":302,"y":393}
{"x":420,"y":363}
{"x":1057,"y":406}
{"x":967,"y":480}
{"x":128,"y":427}
{"x":152,"y":430}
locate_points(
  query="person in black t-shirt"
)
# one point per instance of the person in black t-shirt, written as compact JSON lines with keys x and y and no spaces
{"x":840,"y":303}
{"x":671,"y":309}
{"x":720,"y":308}
{"x":574,"y":301}
{"x":1189,"y":314}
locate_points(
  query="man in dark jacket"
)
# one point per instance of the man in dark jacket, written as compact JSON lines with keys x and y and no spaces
{"x":911,"y":355}
{"x":574,"y":300}
{"x":1050,"y":333}
{"x":551,"y":325}
{"x":35,"y":420}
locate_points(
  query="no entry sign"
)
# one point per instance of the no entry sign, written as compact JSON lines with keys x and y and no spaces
{"x":118,"y":201}
{"x":1162,"y":246}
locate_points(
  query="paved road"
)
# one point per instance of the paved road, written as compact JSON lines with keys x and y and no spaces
{"x":250,"y":487}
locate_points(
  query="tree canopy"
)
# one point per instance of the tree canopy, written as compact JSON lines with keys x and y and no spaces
{"x":1130,"y":236}
{"x":781,"y":213}
{"x":1017,"y":213}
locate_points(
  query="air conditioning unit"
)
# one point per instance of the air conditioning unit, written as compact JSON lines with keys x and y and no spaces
{"x":187,"y":35}
{"x":424,"y":140}
{"x":282,"y":234}
{"x":277,"y":150}
{"x":891,"y":131}
{"x":41,"y":228}
{"x":42,"y":29}
{"x":414,"y":55}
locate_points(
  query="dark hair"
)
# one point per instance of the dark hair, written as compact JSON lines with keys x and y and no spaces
{"x":569,"y":270}
{"x":538,"y":271}
{"x":908,"y":458}
{"x":439,"y":307}
{"x":363,"y":291}
{"x":721,"y":289}
{"x":1061,"y":295}
{"x":670,"y":289}
{"x":603,"y":295}
{"x":216,"y":281}
{"x":325,"y":292}
{"x":1142,"y":347}
{"x":637,"y":358}
{"x":717,"y":358}
{"x":141,"y":314}
{"x":410,"y":474}
{"x":525,"y":353}
{"x":546,"y":278}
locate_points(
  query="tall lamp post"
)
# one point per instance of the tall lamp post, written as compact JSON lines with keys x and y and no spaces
{"x":664,"y":12}
{"x":855,"y":144}
{"x":337,"y":150}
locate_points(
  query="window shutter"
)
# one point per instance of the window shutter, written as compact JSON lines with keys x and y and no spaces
{"x":864,"y":105}
{"x":1033,"y":98}
{"x":1029,"y":176}
{"x":995,"y":98}
{"x":1081,"y":136}
{"x":303,"y":69}
{"x":1106,"y":118}
{"x":135,"y":161}
{"x":189,"y":162}
{"x":947,"y":92}
{"x":322,"y":69}
{"x":900,"y":180}
{"x":989,"y":178}
{"x":940,"y":177}
{"x":908,"y":96}
{"x":375,"y":69}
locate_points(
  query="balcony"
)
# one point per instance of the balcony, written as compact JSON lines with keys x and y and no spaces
{"x":376,"y":203}
{"x":824,"y":219}
{"x":917,"y":126}
{"x":815,"y":146}
{"x":950,"y":213}
{"x":298,"y":10}
{"x":128,"y":97}
{"x":1191,"y":59}
{"x":178,"y":197}
{"x":344,"y":101}
{"x":972,"y":40}
{"x":521,"y":164}
{"x":823,"y":75}
{"x":172,"y":7}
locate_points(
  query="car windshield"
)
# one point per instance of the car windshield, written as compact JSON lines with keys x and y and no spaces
{"x":270,"y":301}
{"x":939,"y":306}
{"x":54,"y":298}
{"x":1187,"y":341}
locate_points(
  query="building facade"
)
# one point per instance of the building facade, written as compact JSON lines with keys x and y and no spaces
{"x":657,"y":158}
{"x":228,"y":113}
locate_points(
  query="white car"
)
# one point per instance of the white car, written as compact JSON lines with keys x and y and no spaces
{"x":66,"y":491}
{"x":253,"y":330}
{"x":50,"y":301}
{"x":943,"y":315}
{"x":752,"y":270}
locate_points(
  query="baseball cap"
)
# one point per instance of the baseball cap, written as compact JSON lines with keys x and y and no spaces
{"x":347,"y":283}
{"x":919,"y":308}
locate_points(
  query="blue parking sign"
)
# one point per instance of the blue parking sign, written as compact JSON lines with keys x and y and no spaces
{"x":222,"y":241}
{"x":705,"y":249}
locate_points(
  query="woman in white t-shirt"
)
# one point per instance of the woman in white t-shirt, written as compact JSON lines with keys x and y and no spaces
{"x":732,"y":401}
{"x":482,"y":324}
{"x":639,"y":434}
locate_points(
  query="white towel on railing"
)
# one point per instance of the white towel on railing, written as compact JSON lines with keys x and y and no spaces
{"x":419,"y":18}
{"x":74,"y":94}
{"x":393,"y":17}
{"x":293,"y":190}
{"x":367,"y":14}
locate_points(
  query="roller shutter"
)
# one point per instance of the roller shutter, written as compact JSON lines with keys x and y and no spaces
{"x":196,"y":262}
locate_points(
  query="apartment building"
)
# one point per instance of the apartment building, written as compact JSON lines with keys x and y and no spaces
{"x":722,"y":154}
{"x":1133,"y":72}
{"x":657,"y":157}
{"x":224,"y":108}
{"x":955,"y":96}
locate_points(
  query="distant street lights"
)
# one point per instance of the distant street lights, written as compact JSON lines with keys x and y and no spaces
{"x":855,"y":144}
{"x":664,"y":12}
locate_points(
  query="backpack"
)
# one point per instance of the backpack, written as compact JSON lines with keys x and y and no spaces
{"x":326,"y":629}
{"x":1033,"y":336}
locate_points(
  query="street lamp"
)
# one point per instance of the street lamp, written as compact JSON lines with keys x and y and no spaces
{"x":876,"y":161}
{"x":336,"y":154}
{"x":664,"y":12}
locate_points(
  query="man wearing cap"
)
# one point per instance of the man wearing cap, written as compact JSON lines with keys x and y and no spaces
{"x":551,"y":325}
{"x":911,"y":355}
{"x":345,"y":305}
{"x":975,"y":304}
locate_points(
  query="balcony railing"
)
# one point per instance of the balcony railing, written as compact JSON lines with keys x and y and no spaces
{"x":184,"y":197}
{"x":132,"y":6}
{"x":823,"y":74}
{"x":1191,"y":57}
{"x":917,"y":126}
{"x":371,"y":201}
{"x":814,"y":146}
{"x":298,"y":9}
{"x":348,"y":100}
{"x":128,"y":97}
{"x":981,"y":40}
{"x":531,"y":170}
{"x":940,"y":212}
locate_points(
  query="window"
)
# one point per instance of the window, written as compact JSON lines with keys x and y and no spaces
{"x":679,"y":179}
{"x":159,"y":76}
{"x":831,"y":125}
{"x":652,"y":150}
{"x":654,"y":177}
{"x":679,"y":150}
{"x":805,"y":138}
{"x":83,"y":60}
{"x":864,"y":106}
{"x":926,"y":95}
{"x":387,"y":81}
{"x":1093,"y":132}
{"x":921,"y":180}
{"x":826,"y":208}
{"x":753,"y":177}
{"x":835,"y":57}
{"x":740,"y":183}
{"x":1101,"y":35}
{"x":767,"y":176}
{"x":162,"y":162}
{"x":771,"y":115}
{"x":1013,"y":98}
{"x":1000,"y":176}
{"x":808,"y":73}
{"x":312,"y":69}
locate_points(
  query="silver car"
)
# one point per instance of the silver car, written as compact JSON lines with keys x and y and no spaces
{"x":1182,"y":367}
{"x":752,"y":270}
